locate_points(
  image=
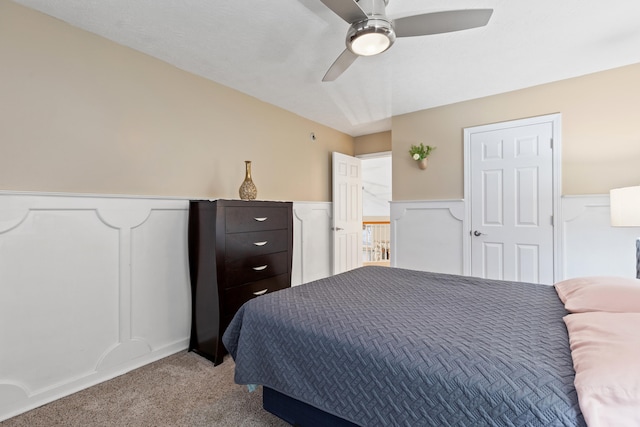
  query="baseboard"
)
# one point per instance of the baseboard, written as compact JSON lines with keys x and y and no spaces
{"x":74,"y":386}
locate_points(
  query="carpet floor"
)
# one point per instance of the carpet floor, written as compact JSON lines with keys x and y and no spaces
{"x":180,"y":390}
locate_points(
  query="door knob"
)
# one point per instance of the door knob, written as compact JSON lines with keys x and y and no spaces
{"x":477,"y":233}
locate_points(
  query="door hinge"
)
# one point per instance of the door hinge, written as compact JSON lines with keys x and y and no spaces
{"x":552,"y":224}
{"x":551,"y":143}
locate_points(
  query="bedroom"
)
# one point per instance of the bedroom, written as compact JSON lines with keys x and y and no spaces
{"x":159,"y":131}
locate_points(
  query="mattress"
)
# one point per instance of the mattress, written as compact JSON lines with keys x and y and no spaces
{"x":385,"y":346}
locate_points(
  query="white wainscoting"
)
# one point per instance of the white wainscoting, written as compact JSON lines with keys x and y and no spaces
{"x":428,"y":235}
{"x":312,"y":245}
{"x":90,"y":287}
{"x":94,"y":286}
{"x":591,"y":246}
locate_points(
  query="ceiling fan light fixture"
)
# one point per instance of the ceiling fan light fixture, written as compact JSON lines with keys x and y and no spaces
{"x":370,"y":37}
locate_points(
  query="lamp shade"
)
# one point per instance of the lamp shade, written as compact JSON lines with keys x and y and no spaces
{"x":625,"y":207}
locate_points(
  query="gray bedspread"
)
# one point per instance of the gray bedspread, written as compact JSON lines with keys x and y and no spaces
{"x":382,"y":346}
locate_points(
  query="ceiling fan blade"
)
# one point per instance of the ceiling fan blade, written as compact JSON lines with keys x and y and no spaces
{"x":339,"y":66}
{"x":346,"y":9}
{"x":441,"y":22}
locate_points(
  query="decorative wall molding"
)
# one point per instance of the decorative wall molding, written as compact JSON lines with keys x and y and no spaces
{"x":427,"y":235}
{"x":591,"y":246}
{"x":92,"y":287}
{"x":312,"y":245}
{"x":95,"y":286}
{"x":430,"y":236}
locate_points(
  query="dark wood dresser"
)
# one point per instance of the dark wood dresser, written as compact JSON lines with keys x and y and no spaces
{"x":238,"y":250}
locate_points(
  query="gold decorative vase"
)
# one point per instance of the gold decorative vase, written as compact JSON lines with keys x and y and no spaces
{"x":422,"y":163}
{"x":248,"y":190}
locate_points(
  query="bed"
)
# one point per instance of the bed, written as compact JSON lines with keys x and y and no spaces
{"x":383,"y":346}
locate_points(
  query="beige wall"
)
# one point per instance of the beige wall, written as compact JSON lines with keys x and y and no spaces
{"x":373,"y":143}
{"x":600,"y":134}
{"x":81,"y":114}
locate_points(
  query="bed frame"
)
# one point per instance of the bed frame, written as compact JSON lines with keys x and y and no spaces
{"x":297,"y":413}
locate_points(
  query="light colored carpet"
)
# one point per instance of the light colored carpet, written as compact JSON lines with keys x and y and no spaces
{"x":180,"y":390}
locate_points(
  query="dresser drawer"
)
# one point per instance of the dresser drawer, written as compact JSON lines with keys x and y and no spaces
{"x":237,"y":296}
{"x":242,"y":245}
{"x":256,"y":268}
{"x":239,"y":219}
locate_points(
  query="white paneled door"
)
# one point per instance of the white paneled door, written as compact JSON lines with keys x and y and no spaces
{"x":511,"y":195}
{"x":347,"y":213}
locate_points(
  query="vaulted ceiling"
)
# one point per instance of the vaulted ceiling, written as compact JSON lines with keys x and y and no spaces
{"x":279,"y":50}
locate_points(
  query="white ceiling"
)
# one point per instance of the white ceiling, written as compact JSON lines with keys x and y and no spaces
{"x":279,"y":50}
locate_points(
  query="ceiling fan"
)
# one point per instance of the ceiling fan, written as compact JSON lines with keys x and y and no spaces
{"x":371,"y":32}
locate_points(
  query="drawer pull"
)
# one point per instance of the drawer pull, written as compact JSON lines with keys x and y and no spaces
{"x":262,"y":219}
{"x":262,"y":292}
{"x":260,"y":243}
{"x":262,"y":267}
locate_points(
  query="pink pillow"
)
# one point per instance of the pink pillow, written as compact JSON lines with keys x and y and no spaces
{"x":605,"y":348}
{"x":613,"y":294}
